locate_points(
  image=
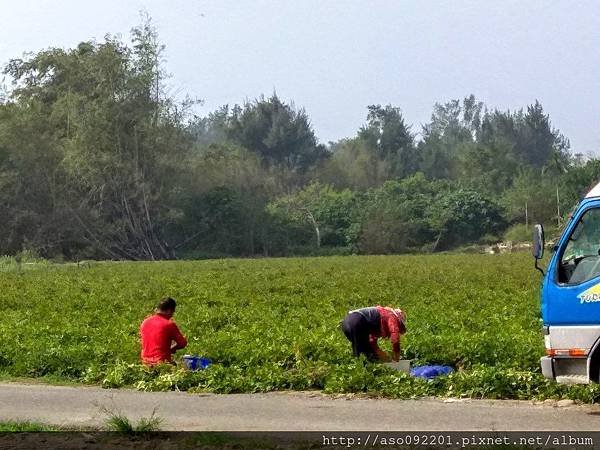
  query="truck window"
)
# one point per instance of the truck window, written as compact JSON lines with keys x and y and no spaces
{"x":580,"y":260}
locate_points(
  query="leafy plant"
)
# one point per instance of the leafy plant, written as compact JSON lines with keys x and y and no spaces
{"x":273,"y":324}
{"x":18,"y":427}
{"x":120,"y":423}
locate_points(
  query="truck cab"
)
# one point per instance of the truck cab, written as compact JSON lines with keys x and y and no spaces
{"x":570,"y":296}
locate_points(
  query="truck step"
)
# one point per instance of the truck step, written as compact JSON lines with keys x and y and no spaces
{"x":572,"y":379}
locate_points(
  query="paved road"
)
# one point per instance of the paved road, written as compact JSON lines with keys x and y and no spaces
{"x":83,"y":406}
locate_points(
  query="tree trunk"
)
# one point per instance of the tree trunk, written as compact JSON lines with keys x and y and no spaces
{"x":315,"y":225}
{"x":437,"y":241}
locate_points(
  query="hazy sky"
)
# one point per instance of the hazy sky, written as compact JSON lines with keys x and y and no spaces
{"x":336,"y":57}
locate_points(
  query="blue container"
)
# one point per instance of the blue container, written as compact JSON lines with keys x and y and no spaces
{"x":196,"y":362}
{"x":430,"y":372}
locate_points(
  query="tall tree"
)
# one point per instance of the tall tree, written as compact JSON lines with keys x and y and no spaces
{"x":451,"y":132}
{"x":279,"y":133}
{"x":387,"y":135}
{"x":539,"y":142}
{"x":116,"y":134}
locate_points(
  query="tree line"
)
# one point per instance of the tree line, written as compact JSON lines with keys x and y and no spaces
{"x":97,"y":160}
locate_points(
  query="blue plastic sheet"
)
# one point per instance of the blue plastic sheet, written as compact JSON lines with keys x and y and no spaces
{"x":430,"y":372}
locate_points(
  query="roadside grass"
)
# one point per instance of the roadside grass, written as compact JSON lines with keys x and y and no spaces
{"x":115,"y":422}
{"x":120,"y":423}
{"x":17,"y":427}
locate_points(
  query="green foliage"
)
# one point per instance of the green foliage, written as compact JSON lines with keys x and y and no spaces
{"x":353,"y":164}
{"x":273,"y":324}
{"x":279,"y":133}
{"x":518,"y":233}
{"x":388,"y":137}
{"x":87,"y":142}
{"x":25,"y":427}
{"x":406,"y":215}
{"x":120,"y":423}
{"x":24,"y":260}
{"x":536,"y":194}
{"x":392,"y":218}
{"x":98,"y":161}
{"x":326,"y":212}
{"x":578,"y":180}
{"x":451,"y":132}
{"x":460,"y":216}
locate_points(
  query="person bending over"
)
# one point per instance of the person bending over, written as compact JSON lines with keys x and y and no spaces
{"x":364,"y":326}
{"x":160,"y":335}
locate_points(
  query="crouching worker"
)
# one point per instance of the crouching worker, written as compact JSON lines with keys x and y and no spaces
{"x":160,"y":335}
{"x":364,"y":326}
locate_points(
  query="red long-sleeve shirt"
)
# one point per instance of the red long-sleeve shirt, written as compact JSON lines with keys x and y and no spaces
{"x":390,"y":327}
{"x":157,"y":334}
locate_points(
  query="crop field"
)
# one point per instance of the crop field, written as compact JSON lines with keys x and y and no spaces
{"x":273,"y":324}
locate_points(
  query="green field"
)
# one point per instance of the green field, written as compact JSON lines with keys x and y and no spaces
{"x":273,"y":324}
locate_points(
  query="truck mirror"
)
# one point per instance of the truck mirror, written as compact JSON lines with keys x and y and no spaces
{"x":538,"y":241}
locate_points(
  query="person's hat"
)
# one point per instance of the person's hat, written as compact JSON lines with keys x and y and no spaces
{"x":400,"y":314}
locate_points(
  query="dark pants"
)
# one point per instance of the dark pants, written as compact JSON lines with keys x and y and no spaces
{"x":357,"y":329}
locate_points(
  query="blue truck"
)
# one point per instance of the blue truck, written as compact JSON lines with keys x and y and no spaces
{"x":570,"y":296}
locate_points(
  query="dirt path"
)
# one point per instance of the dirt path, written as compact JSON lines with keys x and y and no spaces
{"x":82,"y":406}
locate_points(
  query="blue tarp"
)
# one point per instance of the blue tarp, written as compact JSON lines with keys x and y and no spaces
{"x":430,"y":372}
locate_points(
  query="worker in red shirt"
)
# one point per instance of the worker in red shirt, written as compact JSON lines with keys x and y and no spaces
{"x":364,"y":326}
{"x":160,"y":335}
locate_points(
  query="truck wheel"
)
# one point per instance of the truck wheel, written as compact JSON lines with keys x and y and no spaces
{"x":594,"y":365}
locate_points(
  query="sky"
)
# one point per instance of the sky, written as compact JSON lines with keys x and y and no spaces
{"x":334,"y":58}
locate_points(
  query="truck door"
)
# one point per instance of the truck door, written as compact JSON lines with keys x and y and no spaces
{"x":571,"y":297}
